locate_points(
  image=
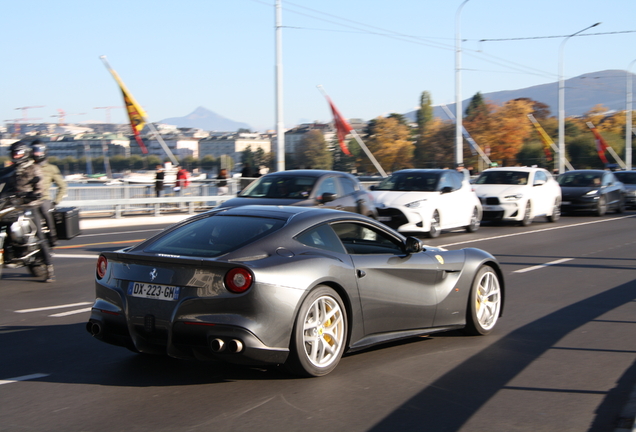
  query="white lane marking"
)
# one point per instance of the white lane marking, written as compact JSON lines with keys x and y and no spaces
{"x":59,"y":255}
{"x":53,"y":307}
{"x":535,"y":231}
{"x":540,"y":266}
{"x":23,"y":378}
{"x":63,"y":314}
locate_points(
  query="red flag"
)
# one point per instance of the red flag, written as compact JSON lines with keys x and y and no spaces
{"x":342,"y":127}
{"x":601,"y":145}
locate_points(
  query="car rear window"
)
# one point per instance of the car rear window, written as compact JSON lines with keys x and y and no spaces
{"x":626,"y":177}
{"x":503,"y":177}
{"x":214,"y":236}
{"x":410,"y":181}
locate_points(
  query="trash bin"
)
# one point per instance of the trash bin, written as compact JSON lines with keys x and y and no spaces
{"x":67,"y":222}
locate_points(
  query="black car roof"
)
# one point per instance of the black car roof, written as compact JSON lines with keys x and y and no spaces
{"x":306,"y":172}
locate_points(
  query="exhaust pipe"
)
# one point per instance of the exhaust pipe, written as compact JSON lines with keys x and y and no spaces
{"x":94,"y":328}
{"x":235,"y":346}
{"x":217,"y":345}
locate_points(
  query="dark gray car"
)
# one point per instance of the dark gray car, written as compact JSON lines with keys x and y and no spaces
{"x":591,"y":190}
{"x":628,"y":178}
{"x":308,"y":188}
{"x":287,"y":285}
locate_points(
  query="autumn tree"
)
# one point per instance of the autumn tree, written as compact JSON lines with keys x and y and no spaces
{"x":508,"y":128}
{"x":389,"y":141}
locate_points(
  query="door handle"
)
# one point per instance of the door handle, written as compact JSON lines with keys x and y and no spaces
{"x":361,"y":273}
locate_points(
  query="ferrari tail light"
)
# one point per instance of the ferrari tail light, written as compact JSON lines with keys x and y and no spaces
{"x":102,"y":265}
{"x":238,"y":280}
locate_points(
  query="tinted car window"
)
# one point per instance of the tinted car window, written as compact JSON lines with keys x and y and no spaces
{"x":322,"y":237}
{"x":410,"y":181}
{"x":579,"y":179}
{"x":626,"y":177}
{"x":280,"y":187}
{"x":348,"y":186}
{"x":362,"y":239}
{"x":214,"y":235}
{"x":503,"y":177}
{"x":326,"y":185}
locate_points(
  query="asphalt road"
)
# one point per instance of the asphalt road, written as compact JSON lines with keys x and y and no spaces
{"x":562,"y":358}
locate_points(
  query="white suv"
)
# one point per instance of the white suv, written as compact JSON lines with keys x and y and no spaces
{"x":518,"y":194}
{"x":427,"y":201}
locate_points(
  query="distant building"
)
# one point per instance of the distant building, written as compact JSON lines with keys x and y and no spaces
{"x":295,"y":135}
{"x":89,"y":145}
{"x":233,"y":145}
{"x":180,"y":146}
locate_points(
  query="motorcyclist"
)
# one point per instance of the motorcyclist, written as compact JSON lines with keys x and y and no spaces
{"x":26,"y":182}
{"x":50,"y":174}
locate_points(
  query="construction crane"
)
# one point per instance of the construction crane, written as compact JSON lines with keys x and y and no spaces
{"x":24,"y":111}
{"x":108,"y":108}
{"x":62,"y":116}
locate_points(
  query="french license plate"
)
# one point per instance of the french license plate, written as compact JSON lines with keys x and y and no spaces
{"x":153,"y":291}
{"x":384,"y":218}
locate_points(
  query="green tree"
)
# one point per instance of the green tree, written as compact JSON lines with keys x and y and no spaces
{"x":312,"y":150}
{"x":424,"y":118}
{"x":476,"y":108}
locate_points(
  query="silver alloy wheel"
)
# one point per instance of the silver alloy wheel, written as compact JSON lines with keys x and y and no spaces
{"x":488,"y":300}
{"x":323,"y":331}
{"x":475,"y":222}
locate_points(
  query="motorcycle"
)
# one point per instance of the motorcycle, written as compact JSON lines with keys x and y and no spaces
{"x":19,"y":243}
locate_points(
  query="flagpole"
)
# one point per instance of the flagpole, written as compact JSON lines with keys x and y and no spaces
{"x":150,"y":125}
{"x":363,"y":146}
{"x":280,"y":122}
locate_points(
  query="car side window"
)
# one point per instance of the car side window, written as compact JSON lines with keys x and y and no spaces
{"x":607,"y":179}
{"x":348,"y":187}
{"x":446,"y":181}
{"x":360,"y":239}
{"x":322,"y":237}
{"x":540,"y":175}
{"x":327,"y":185}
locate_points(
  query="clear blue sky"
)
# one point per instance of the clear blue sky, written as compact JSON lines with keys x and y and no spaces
{"x":372,"y":57}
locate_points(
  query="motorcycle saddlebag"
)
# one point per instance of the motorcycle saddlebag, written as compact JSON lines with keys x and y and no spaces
{"x":67,"y":222}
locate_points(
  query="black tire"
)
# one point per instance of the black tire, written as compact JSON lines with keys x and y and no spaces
{"x":620,"y":207}
{"x":484,"y":302}
{"x":527,"y":211}
{"x":319,"y":335}
{"x":556,"y":211}
{"x":436,"y":229}
{"x":474,"y":221}
{"x":601,"y":206}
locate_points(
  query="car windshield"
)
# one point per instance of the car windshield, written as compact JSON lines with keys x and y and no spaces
{"x":503,"y":177}
{"x":280,"y":187}
{"x":579,"y":179}
{"x":626,"y":177}
{"x":410,"y":181}
{"x":214,"y":236}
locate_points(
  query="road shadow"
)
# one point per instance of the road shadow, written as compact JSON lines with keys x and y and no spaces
{"x":449,"y":402}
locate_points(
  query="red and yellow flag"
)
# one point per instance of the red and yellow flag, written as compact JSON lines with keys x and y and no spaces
{"x":136,"y":114}
{"x":342,"y":127}
{"x":547,"y":141}
{"x":601,"y":145}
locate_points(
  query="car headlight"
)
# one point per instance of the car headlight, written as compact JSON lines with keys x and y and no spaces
{"x":415,"y":204}
{"x":592,"y":192}
{"x":514,"y":197}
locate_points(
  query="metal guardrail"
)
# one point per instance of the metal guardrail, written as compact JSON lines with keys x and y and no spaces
{"x":122,"y":199}
{"x":134,"y":199}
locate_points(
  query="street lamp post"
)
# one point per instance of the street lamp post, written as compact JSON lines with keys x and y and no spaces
{"x":562,"y":101}
{"x":459,"y":147}
{"x":628,"y":119}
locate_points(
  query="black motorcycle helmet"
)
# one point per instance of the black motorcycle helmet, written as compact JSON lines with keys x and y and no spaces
{"x":20,"y":152}
{"x":39,"y":151}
